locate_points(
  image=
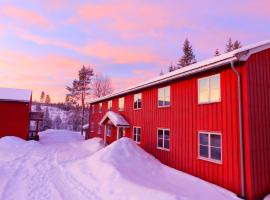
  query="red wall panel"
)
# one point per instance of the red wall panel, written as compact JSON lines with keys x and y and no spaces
{"x":14,"y":119}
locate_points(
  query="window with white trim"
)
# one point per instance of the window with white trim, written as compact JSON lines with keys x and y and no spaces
{"x":210,"y":147}
{"x":99,"y":129}
{"x":163,"y":138}
{"x":164,"y":97}
{"x":100,"y":107}
{"x":93,"y":109}
{"x":137,"y":134}
{"x":209,"y":89}
{"x":121,"y":103}
{"x":137,"y":101}
{"x":92,"y":127}
{"x":110,"y":105}
{"x":108,"y":130}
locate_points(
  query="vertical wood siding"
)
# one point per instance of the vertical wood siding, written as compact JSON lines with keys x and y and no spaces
{"x":185,"y":117}
{"x":14,"y":119}
{"x":258,"y":79}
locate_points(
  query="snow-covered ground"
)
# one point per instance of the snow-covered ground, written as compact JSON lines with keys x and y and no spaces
{"x":64,"y":166}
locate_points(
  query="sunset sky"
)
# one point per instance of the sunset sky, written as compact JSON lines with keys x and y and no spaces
{"x":43,"y":45}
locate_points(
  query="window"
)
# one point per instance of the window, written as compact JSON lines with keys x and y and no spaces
{"x":138,"y":101}
{"x":210,"y":146}
{"x":110,"y":105}
{"x":108,"y":130}
{"x":137,"y":134}
{"x":121,"y":103}
{"x":100,"y":107}
{"x":209,"y":89}
{"x":92,"y":127}
{"x":99,"y":129}
{"x":163,"y":139}
{"x":93,"y":109}
{"x":164,"y":96}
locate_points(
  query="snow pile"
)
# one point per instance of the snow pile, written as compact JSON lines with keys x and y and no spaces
{"x":123,"y":170}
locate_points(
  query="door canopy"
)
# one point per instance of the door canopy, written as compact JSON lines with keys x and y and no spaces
{"x":115,"y":118}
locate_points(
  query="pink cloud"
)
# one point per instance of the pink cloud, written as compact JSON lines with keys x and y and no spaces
{"x":25,"y":16}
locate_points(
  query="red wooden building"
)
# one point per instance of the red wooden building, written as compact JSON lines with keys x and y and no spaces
{"x":210,"y":119}
{"x":15,"y":108}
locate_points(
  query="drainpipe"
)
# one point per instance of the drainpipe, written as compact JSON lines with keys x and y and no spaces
{"x":243,"y":181}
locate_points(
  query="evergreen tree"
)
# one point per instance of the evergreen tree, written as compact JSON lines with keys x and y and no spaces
{"x":57,"y":122}
{"x":188,"y":58}
{"x":217,"y":53}
{"x":48,"y":99}
{"x":38,"y":108}
{"x":80,"y":89}
{"x":236,"y":45}
{"x":42,"y":96}
{"x":229,"y":45}
{"x":47,"y":122}
{"x":171,"y":68}
{"x":161,"y":72}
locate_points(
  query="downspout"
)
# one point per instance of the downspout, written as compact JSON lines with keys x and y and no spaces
{"x":242,"y":162}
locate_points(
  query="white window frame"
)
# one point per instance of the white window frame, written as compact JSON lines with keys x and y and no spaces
{"x":92,"y":127}
{"x":100,"y":107}
{"x":209,"y":89}
{"x":110,"y":105}
{"x":136,"y":97}
{"x":164,"y":97}
{"x":136,"y":140}
{"x":119,"y":103}
{"x":209,"y":133}
{"x":99,"y":129}
{"x":163,"y":141}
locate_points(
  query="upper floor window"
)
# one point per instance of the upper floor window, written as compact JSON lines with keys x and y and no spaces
{"x":137,"y":134}
{"x":210,"y":146}
{"x":100,"y":107}
{"x":93,"y":109}
{"x":121,"y":103}
{"x":164,"y":96}
{"x":163,"y":139}
{"x":138,"y":101}
{"x":110,"y":105}
{"x":209,"y":89}
{"x":92,"y":127}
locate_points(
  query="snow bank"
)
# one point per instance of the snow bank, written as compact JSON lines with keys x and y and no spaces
{"x":123,"y":170}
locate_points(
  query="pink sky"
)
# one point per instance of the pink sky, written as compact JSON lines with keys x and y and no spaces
{"x":44,"y":44}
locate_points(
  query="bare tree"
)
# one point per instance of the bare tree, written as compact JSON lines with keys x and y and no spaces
{"x":102,"y":85}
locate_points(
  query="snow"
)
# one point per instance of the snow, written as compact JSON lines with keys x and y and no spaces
{"x":64,"y":166}
{"x":13,"y":94}
{"x":212,"y":62}
{"x":116,"y":119}
{"x":267,"y":197}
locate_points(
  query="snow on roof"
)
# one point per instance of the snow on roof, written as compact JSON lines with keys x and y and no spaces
{"x":116,"y":119}
{"x":241,"y":54}
{"x":12,"y":94}
{"x":86,"y":126}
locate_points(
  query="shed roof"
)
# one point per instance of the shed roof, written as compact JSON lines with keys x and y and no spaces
{"x":12,"y":94}
{"x":241,"y":54}
{"x":116,"y":119}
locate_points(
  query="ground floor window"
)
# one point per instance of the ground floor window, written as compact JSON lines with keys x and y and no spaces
{"x":137,"y":134}
{"x":210,"y":146}
{"x":99,"y":129}
{"x":163,"y":139}
{"x":108,"y":130}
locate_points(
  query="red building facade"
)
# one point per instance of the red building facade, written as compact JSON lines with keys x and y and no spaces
{"x":15,"y":108}
{"x":210,"y":119}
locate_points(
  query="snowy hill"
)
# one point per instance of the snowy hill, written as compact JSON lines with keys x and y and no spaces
{"x":63,"y":166}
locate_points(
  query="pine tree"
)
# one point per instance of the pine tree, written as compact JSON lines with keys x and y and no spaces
{"x":57,"y":122}
{"x":236,"y":45}
{"x":48,"y":99}
{"x":42,"y":96}
{"x":171,"y":68}
{"x":188,"y":58}
{"x":161,"y":72}
{"x":80,"y":89}
{"x":217,"y":53}
{"x":229,"y":45}
{"x":47,"y":122}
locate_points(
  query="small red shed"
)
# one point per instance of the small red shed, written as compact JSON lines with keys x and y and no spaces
{"x":210,"y":119}
{"x":15,"y":108}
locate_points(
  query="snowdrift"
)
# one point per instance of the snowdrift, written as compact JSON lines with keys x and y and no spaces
{"x":123,"y":170}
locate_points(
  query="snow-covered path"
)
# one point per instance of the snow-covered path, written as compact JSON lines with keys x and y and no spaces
{"x":63,"y":166}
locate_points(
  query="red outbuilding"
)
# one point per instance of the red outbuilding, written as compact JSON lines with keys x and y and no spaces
{"x":210,"y":119}
{"x":15,"y":108}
